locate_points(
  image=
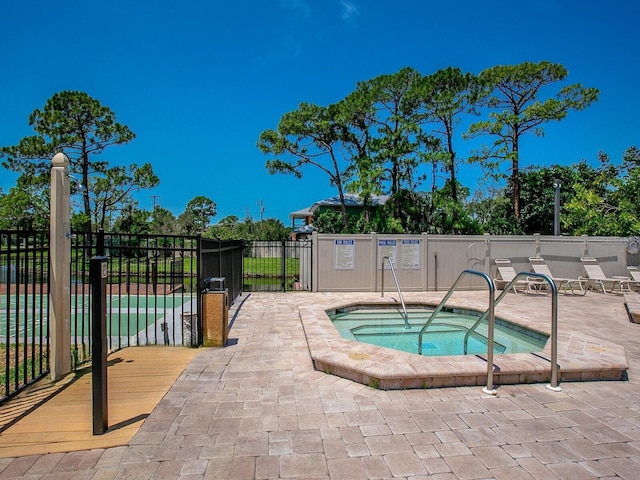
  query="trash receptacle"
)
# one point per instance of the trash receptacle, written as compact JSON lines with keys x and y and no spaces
{"x":214,"y":284}
{"x":215,"y":308}
{"x":189,"y":329}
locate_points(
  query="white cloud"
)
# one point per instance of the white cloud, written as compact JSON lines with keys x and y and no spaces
{"x":299,"y":6}
{"x":349,"y":10}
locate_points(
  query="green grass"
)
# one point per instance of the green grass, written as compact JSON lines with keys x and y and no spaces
{"x":17,"y":368}
{"x":270,"y":266}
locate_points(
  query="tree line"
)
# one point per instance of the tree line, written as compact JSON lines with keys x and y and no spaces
{"x":398,"y":135}
{"x":395,"y":135}
{"x":81,"y":127}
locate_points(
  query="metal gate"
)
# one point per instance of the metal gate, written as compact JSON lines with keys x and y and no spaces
{"x":151,"y":286}
{"x":278,"y":266}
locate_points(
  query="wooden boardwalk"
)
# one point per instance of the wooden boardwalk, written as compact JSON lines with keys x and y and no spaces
{"x":138,"y":378}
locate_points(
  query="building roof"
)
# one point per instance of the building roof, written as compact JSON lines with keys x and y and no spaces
{"x":350,"y":200}
{"x":304,"y":213}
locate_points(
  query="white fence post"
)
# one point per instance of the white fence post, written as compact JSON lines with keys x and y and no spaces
{"x":60,"y":268}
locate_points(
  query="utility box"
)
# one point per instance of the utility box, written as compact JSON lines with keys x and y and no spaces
{"x":215,"y":321}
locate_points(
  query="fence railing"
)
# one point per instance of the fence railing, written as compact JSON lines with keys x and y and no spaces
{"x":223,"y":259}
{"x":152,"y":282}
{"x":24,"y":306}
{"x":277,"y":266}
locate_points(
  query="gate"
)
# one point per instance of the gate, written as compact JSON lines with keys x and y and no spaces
{"x":151,"y":286}
{"x":278,"y":266}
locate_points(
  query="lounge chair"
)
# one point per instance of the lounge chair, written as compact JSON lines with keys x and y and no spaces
{"x":595,"y":276}
{"x":635,"y":275}
{"x":507,"y":273}
{"x":562,"y":284}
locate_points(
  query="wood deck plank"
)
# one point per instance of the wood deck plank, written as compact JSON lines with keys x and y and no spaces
{"x":138,"y":378}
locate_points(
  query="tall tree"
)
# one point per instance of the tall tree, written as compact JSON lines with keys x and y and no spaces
{"x":24,"y":206}
{"x":383,"y":113}
{"x":73,"y":123}
{"x":198,"y":214}
{"x":112,"y":189}
{"x":516,"y":109}
{"x":382,"y":131}
{"x":308,"y":136}
{"x":445,"y":96}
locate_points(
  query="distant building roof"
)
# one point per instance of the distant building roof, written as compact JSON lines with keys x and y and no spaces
{"x":304,"y":213}
{"x":350,"y":200}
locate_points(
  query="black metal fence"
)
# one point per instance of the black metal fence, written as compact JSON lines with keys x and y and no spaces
{"x":154,"y":288}
{"x":152,"y":284}
{"x":24,"y":308}
{"x":223,"y":259}
{"x":277,"y":266}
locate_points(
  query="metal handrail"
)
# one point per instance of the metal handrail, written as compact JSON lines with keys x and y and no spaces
{"x":448,"y":295}
{"x":395,"y":279}
{"x":554,"y":321}
{"x":486,"y":313}
{"x":489,"y":388}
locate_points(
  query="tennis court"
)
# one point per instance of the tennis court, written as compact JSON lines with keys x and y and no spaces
{"x":131,"y":319}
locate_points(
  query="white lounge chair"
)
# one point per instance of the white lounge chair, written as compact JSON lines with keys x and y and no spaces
{"x":507,"y":273}
{"x":562,"y":284}
{"x":635,"y":275}
{"x":595,"y":276}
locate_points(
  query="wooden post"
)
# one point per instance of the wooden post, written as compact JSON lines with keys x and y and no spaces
{"x":60,"y":268}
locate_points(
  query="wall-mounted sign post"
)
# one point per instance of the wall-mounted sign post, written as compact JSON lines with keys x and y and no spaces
{"x":98,"y":279}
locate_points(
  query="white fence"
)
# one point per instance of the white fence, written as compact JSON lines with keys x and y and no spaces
{"x":433,"y":262}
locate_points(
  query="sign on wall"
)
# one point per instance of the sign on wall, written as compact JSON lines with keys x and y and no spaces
{"x":410,"y":254}
{"x":387,"y":248}
{"x":344,"y":254}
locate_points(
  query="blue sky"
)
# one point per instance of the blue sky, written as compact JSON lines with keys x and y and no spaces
{"x":198,"y":81}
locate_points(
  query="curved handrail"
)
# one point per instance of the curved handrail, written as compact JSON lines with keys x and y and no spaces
{"x":497,"y":301}
{"x":554,"y":321}
{"x":489,"y":388}
{"x":395,"y":279}
{"x":448,"y":295}
{"x":490,"y":312}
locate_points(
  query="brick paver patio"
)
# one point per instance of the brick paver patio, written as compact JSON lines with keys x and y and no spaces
{"x":258,"y":409}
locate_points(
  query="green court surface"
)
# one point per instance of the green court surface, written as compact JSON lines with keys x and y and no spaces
{"x":149,"y":302}
{"x":126,"y":314}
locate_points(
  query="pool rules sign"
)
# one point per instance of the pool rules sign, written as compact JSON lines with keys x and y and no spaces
{"x":344,"y":254}
{"x":387,"y":248}
{"x":407,"y":257}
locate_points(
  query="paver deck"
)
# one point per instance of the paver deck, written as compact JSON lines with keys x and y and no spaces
{"x":258,"y":409}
